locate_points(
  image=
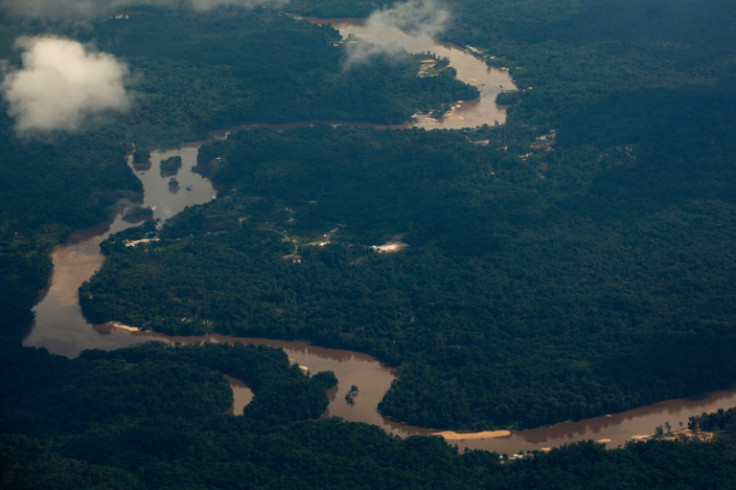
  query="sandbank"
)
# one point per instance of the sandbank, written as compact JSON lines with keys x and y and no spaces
{"x":451,"y":435}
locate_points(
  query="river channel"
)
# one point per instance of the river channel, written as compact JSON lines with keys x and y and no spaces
{"x":469,"y":69}
{"x":61,"y":328}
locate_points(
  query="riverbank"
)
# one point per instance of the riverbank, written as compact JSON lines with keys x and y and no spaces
{"x":368,"y":412}
{"x":61,"y":328}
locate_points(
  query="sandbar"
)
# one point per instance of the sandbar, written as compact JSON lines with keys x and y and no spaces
{"x":451,"y":435}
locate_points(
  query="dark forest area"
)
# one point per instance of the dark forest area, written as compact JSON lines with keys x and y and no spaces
{"x":574,"y":261}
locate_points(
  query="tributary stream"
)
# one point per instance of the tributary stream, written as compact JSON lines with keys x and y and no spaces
{"x":61,"y":328}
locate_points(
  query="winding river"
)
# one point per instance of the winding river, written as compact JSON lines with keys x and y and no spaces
{"x":470,"y":69}
{"x":61,"y":328}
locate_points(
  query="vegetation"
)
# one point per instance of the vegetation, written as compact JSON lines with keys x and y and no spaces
{"x":170,"y":166}
{"x":141,"y":157}
{"x":193,"y":74}
{"x":151,"y":417}
{"x":222,"y":70}
{"x":138,"y":213}
{"x":575,"y":261}
{"x":565,"y":289}
{"x":49,"y":190}
{"x":173,"y":185}
{"x":722,"y":421}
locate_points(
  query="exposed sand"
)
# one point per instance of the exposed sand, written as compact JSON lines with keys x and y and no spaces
{"x":451,"y":435}
{"x":123,"y":326}
{"x":133,"y":243}
{"x":390,"y":247}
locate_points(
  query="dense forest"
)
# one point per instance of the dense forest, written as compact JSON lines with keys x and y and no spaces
{"x":151,"y":417}
{"x":582,"y":307}
{"x":592,"y":267}
{"x":260,"y":66}
{"x":575,"y":261}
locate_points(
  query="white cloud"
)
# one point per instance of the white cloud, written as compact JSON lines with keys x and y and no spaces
{"x":62,"y":85}
{"x":417,"y":22}
{"x":82,"y":10}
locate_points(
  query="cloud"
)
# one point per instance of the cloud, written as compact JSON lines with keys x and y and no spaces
{"x":82,"y":10}
{"x":417,"y":22}
{"x":62,"y":85}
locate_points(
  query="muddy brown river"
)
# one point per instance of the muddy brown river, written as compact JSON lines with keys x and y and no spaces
{"x":469,"y":69}
{"x":61,"y":328}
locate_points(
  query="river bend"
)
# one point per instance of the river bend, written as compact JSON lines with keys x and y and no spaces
{"x":61,"y":328}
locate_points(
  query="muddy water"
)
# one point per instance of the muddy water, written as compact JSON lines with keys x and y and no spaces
{"x":470,"y":69}
{"x":373,"y":379}
{"x":61,"y":328}
{"x":59,"y":325}
{"x":193,"y":188}
{"x":613,"y":430}
{"x":242,"y":395}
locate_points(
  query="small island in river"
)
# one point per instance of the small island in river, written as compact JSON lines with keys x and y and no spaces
{"x":570,"y":255}
{"x":170,"y":166}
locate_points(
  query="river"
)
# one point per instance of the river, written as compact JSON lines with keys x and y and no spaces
{"x":469,"y":68}
{"x":59,"y":325}
{"x":61,"y":328}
